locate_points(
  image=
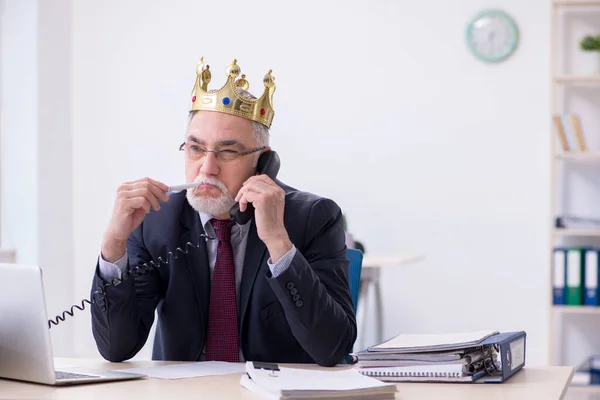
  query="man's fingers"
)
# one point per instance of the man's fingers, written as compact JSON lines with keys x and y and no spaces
{"x":243,"y":204}
{"x":158,"y":188}
{"x":248,"y":197}
{"x":156,"y":183}
{"x":258,"y":186}
{"x":136,"y":203}
{"x":156,"y":191}
{"x":260,"y":178}
{"x":143,"y":193}
{"x":159,"y":192}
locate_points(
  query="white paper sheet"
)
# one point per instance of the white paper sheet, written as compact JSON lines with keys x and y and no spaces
{"x":315,"y":384}
{"x":189,"y":370}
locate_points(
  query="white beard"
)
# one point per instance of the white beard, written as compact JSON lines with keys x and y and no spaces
{"x":211,"y":205}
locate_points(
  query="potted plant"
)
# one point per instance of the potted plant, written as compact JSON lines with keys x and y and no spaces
{"x":591,"y":47}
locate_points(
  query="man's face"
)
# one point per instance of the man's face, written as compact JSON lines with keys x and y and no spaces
{"x":221,"y":179}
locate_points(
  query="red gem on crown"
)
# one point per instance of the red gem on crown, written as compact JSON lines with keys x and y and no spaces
{"x":262,"y":111}
{"x":193,"y":99}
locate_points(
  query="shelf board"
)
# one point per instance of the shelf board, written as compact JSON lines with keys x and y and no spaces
{"x":576,"y":309}
{"x":576,"y":232}
{"x":575,"y":79}
{"x":576,"y":3}
{"x":579,"y":156}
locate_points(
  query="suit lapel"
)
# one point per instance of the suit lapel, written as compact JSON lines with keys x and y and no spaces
{"x":196,"y":257}
{"x":255,"y":253}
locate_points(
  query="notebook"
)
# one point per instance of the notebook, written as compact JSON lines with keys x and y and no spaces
{"x":424,"y":373}
{"x":432,"y":342}
{"x":291,"y":383}
{"x":431,"y":356}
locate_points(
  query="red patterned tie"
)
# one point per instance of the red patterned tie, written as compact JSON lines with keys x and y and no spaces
{"x":222,"y":341}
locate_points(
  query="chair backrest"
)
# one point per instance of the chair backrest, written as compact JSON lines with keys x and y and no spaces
{"x":356,"y":258}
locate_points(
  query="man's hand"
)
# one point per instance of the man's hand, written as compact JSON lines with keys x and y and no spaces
{"x":132,"y":204}
{"x":268,"y":200}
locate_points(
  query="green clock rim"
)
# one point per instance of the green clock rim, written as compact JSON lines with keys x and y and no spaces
{"x":511,"y":22}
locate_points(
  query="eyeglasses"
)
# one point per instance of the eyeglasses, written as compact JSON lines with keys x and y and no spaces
{"x":195,"y":152}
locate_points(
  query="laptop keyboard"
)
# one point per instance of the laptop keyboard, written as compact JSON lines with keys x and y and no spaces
{"x":62,"y":375}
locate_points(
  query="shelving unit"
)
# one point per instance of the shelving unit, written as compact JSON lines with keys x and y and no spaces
{"x":570,"y":18}
{"x":580,"y":233}
{"x":576,"y":310}
{"x":576,"y":3}
{"x":582,"y":79}
{"x":585,"y":157}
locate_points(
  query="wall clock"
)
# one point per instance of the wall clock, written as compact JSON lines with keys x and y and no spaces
{"x":492,"y":36}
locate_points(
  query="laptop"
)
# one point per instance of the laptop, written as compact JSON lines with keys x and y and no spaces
{"x":25,"y":347}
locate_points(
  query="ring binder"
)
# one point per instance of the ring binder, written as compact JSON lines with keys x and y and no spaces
{"x":491,"y":360}
{"x":411,"y":374}
{"x":455,"y":370}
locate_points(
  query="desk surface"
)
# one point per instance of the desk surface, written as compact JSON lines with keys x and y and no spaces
{"x":378,"y":262}
{"x":529,"y":383}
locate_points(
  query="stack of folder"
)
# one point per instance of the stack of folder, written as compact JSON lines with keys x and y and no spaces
{"x":575,"y":276}
{"x":280,"y":383}
{"x":480,"y":356}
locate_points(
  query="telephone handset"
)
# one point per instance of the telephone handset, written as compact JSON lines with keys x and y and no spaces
{"x":268,"y":164}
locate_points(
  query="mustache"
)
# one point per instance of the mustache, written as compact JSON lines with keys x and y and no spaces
{"x":211,"y":181}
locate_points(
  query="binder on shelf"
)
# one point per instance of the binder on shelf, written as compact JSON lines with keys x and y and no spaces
{"x":570,"y":132}
{"x":576,"y":222}
{"x":576,"y":125}
{"x":558,"y":276}
{"x":575,"y":271}
{"x":591,"y":294}
{"x":562,"y":135}
{"x":565,"y":133}
{"x":492,"y":359}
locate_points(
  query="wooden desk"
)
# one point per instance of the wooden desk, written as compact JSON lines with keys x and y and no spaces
{"x":531,"y":383}
{"x":369,"y":282}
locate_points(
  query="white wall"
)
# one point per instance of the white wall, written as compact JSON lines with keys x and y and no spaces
{"x":379,"y":106}
{"x":18,"y":86}
{"x":35,"y":123}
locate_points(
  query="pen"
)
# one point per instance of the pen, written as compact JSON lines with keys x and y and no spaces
{"x":182,"y":187}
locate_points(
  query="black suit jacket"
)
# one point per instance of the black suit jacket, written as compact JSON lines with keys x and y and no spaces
{"x":305,"y":315}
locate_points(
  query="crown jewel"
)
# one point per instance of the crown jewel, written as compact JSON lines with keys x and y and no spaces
{"x":228,"y":99}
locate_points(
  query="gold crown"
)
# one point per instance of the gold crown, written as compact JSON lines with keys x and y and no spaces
{"x":228,"y":99}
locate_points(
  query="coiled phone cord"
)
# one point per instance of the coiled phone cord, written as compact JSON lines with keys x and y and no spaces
{"x":131,"y":273}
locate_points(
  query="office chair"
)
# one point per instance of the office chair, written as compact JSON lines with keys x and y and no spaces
{"x":356,"y":258}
